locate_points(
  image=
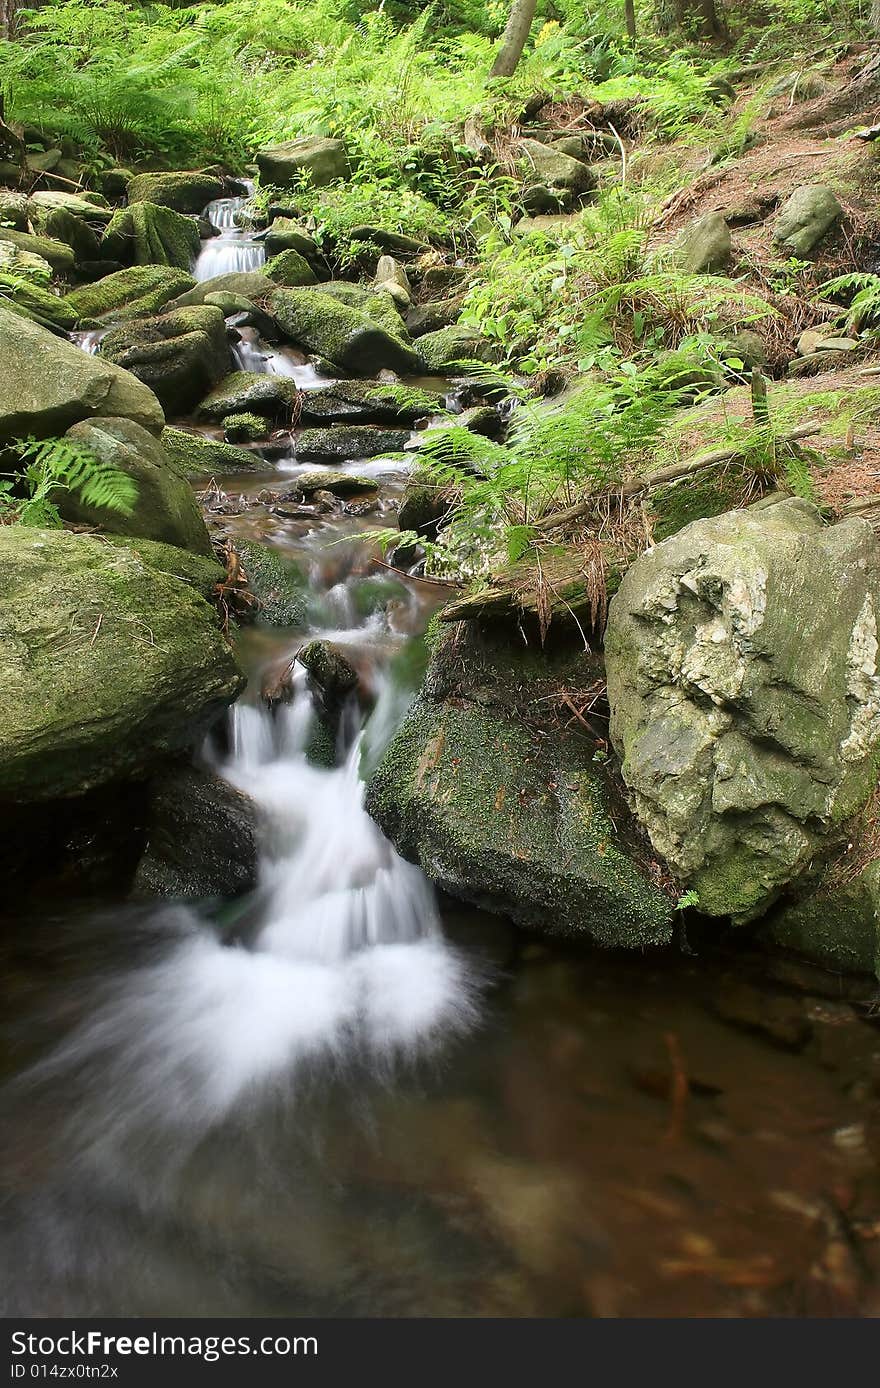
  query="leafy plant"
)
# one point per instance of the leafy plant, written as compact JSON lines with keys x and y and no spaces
{"x":59,"y":464}
{"x":864,"y":305}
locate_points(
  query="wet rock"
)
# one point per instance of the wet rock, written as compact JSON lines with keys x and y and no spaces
{"x":252,"y":285}
{"x":279,"y":587}
{"x":556,"y":181}
{"x":127,"y":294}
{"x":287,"y":234}
{"x":250,"y":392}
{"x":325,"y":160}
{"x":336,"y":483}
{"x":144,"y":234}
{"x":47,"y":384}
{"x":837,"y":924}
{"x":431,"y":317}
{"x":108,"y":665}
{"x":317,"y":322}
{"x":388,"y":240}
{"x":367,"y":402}
{"x":425,"y":505}
{"x":29,"y":300}
{"x":780,"y":1019}
{"x":61,"y":224}
{"x":290,"y":269}
{"x":184,"y":192}
{"x":705,"y":247}
{"x":329,"y":671}
{"x":506,"y":814}
{"x":341,"y":442}
{"x":196,"y":456}
{"x":179,"y":355}
{"x":746,"y":713}
{"x":244,"y":427}
{"x":202,"y":838}
{"x":809,"y":214}
{"x":165,"y":508}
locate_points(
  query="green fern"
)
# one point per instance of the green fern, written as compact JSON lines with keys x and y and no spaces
{"x":52,"y":465}
{"x":864,"y":306}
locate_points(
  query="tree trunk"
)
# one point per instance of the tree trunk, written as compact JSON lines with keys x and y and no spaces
{"x":630,"y":9}
{"x":875,"y":16}
{"x":8,"y":15}
{"x":522,"y":12}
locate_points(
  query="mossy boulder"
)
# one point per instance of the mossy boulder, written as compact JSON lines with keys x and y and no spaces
{"x":367,"y":402}
{"x":324,"y":159}
{"x":179,"y":355}
{"x":128,"y":294}
{"x":290,"y":269}
{"x":61,"y":224}
{"x":287,"y":234}
{"x":196,"y":456}
{"x":14,"y":209}
{"x":31,"y":301}
{"x":47,"y":384}
{"x":554,"y":180}
{"x":201,"y":571}
{"x":349,"y":337}
{"x":55,"y":253}
{"x":836,"y":925}
{"x":329,"y":671}
{"x":806,"y":218}
{"x":184,"y":192}
{"x":337,"y":483}
{"x":165,"y":509}
{"x":202,"y":838}
{"x":508,"y":815}
{"x":244,"y":428}
{"x":89,"y":207}
{"x":279,"y":587}
{"x":250,"y":392}
{"x":108,"y":665}
{"x":747,"y":714}
{"x":453,"y":348}
{"x":246,"y":284}
{"x":341,"y":442}
{"x":144,"y":234}
{"x":705,"y":247}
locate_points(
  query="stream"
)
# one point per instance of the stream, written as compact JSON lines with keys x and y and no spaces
{"x":343,"y":1096}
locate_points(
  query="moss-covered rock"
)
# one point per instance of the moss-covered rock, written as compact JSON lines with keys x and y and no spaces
{"x":250,"y":392}
{"x":253,"y":285}
{"x":329,"y":670}
{"x":107,"y":664}
{"x":14,"y":209}
{"x":453,"y":348}
{"x":201,"y":571}
{"x":554,"y":180}
{"x":278,"y":586}
{"x":61,"y":224}
{"x":705,"y":246}
{"x":55,"y":253}
{"x":184,"y":192}
{"x":179,"y":355}
{"x":128,"y":294}
{"x":747,"y":714}
{"x":144,"y":234}
{"x":342,"y":442}
{"x":47,"y":384}
{"x":809,"y":214}
{"x":196,"y":456}
{"x":367,"y":402}
{"x":324,"y":159}
{"x":337,"y":483}
{"x":31,"y":301}
{"x":244,"y":428}
{"x":89,"y":207}
{"x":347,"y":336}
{"x":836,"y":925}
{"x":165,"y":508}
{"x":506,"y":814}
{"x":287,"y":234}
{"x":290,"y":269}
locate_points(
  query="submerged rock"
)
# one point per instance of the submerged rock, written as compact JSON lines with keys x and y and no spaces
{"x":184,"y":192}
{"x":128,"y":294}
{"x":47,"y":384}
{"x":324,"y":159}
{"x":279,"y":587}
{"x":316,"y":321}
{"x":165,"y":509}
{"x":506,"y":813}
{"x":747,"y":713}
{"x":202,"y":838}
{"x":108,"y":665}
{"x":179,"y":355}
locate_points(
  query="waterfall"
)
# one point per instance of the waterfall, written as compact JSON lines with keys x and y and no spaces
{"x":234,"y":249}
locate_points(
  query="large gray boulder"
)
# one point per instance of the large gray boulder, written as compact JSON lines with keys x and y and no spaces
{"x":503,"y":812}
{"x":324,"y":159}
{"x":556,"y":181}
{"x":742,"y":674}
{"x":184,"y":192}
{"x":705,"y":247}
{"x":179,"y":355}
{"x":346,"y":335}
{"x":47,"y":384}
{"x":165,"y":509}
{"x":108,"y":665}
{"x":810,"y":212}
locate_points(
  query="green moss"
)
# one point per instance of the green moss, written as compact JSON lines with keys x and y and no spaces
{"x":196,"y":456}
{"x":279,"y":587}
{"x":837,"y":926}
{"x":144,"y":234}
{"x":55,"y":253}
{"x":347,"y":336}
{"x":290,"y":269}
{"x":243,"y":428}
{"x":184,"y":192}
{"x":40,"y":305}
{"x":674,"y":506}
{"x":200,"y":572}
{"x":250,"y":392}
{"x":451,"y":349}
{"x":127,"y":294}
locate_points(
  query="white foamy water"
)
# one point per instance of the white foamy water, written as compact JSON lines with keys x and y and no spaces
{"x":233,"y":249}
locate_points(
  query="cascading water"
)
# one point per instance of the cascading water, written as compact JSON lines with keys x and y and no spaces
{"x":234,"y":249}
